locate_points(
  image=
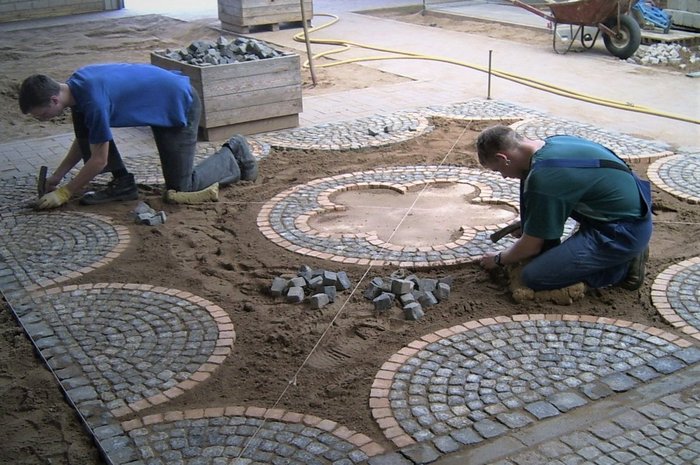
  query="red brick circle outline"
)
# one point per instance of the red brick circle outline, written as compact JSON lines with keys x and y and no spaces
{"x":223,"y":347}
{"x":362,"y":441}
{"x":326,"y":205}
{"x":660,"y":300}
{"x":379,"y":402}
{"x":653,"y":175}
{"x":123,"y":237}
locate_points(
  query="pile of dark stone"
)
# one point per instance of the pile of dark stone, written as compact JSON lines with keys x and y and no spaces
{"x":221,"y":52}
{"x":319,"y":287}
{"x":413,"y":294}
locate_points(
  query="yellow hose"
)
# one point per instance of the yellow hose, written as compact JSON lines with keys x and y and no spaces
{"x":345,"y":45}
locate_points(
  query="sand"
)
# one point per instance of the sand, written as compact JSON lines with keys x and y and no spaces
{"x":217,"y":252}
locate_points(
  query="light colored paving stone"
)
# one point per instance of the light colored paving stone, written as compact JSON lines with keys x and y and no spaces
{"x":284,"y":219}
{"x":676,"y":296}
{"x":679,"y":175}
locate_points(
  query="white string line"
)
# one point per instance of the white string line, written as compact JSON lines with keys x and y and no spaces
{"x":293,"y":380}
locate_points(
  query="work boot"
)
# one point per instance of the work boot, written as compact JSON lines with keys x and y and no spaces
{"x":244,"y":157}
{"x":118,"y":189}
{"x":208,"y":194}
{"x":637,"y":270}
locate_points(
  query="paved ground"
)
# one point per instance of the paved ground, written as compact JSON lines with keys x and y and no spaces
{"x":555,"y":389}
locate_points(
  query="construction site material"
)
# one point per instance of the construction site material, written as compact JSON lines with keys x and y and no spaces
{"x":144,"y":214}
{"x":245,"y":97}
{"x":412,"y":293}
{"x":321,"y":286}
{"x":240,"y":15}
{"x":621,"y":32}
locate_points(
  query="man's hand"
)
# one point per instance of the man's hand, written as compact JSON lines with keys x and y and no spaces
{"x":54,"y":199}
{"x":51,"y":183}
{"x":489,"y":261}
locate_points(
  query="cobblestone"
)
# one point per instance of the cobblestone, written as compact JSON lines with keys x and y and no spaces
{"x":451,"y":390}
{"x":43,"y":249}
{"x":468,"y":367}
{"x":675,"y":296}
{"x":678,"y":175}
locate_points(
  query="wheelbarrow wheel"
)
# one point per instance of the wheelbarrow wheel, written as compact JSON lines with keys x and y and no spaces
{"x":628,"y":37}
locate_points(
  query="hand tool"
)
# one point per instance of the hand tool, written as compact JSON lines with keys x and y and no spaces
{"x":501,"y":233}
{"x":41,"y":181}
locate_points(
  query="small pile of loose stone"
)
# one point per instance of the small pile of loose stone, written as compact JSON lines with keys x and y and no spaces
{"x":321,"y":286}
{"x":221,"y":52}
{"x":412,"y":293}
{"x":665,"y":54}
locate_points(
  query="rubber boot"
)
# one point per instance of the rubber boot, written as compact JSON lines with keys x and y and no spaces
{"x":118,"y":189}
{"x":244,"y":156}
{"x":209,"y":194}
{"x":637,"y":271}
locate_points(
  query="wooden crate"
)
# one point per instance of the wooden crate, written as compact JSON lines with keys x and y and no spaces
{"x":240,"y":15}
{"x":244,"y":98}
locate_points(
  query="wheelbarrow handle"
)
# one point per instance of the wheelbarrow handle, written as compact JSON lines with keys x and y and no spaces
{"x":532,"y":9}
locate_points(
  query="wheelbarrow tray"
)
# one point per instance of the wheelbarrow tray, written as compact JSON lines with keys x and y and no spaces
{"x":587,"y":12}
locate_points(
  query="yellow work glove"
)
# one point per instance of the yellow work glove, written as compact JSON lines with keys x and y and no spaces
{"x":54,"y":199}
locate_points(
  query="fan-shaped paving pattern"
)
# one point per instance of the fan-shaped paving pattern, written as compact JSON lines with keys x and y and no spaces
{"x":42,"y":249}
{"x":126,"y":346}
{"x":373,"y":131}
{"x":256,"y":436}
{"x":630,"y":149}
{"x":678,"y":175}
{"x":676,"y":296}
{"x":486,"y":377}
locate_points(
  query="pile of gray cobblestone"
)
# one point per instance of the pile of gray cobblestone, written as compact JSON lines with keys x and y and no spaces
{"x":221,"y":52}
{"x":671,"y":54}
{"x":413,"y":294}
{"x":317,"y":286}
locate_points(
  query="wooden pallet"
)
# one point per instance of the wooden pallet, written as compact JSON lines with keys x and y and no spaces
{"x":679,"y":37}
{"x":242,"y":15}
{"x":239,"y":29}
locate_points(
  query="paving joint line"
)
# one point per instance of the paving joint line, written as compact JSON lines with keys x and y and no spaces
{"x":531,"y":436}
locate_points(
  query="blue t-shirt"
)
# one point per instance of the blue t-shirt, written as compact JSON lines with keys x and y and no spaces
{"x":128,"y":95}
{"x":552,"y":194}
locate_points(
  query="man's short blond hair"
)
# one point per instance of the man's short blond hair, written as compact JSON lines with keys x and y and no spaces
{"x":496,"y":139}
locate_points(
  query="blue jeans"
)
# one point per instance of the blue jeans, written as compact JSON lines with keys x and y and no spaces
{"x":177,"y":147}
{"x":597,"y":254}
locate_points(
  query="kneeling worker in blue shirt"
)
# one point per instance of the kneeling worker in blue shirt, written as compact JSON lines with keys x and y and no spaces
{"x":107,"y":96}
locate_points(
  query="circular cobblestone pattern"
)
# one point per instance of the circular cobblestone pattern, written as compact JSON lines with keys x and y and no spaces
{"x":126,"y":346}
{"x":17,"y":193}
{"x":678,"y":175}
{"x":676,"y":295}
{"x":373,"y":131}
{"x":627,"y":147}
{"x":254,"y":436}
{"x":284,"y":219}
{"x":42,"y":249}
{"x":486,"y":378}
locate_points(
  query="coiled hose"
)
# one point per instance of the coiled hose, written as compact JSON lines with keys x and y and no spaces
{"x":533,"y":83}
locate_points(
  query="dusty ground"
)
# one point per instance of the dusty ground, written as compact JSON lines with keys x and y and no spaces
{"x":216,"y":251}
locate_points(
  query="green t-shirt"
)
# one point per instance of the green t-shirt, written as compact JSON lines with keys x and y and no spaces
{"x":552,"y":194}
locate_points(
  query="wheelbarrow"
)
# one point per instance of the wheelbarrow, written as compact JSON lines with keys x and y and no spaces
{"x":621,"y":32}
